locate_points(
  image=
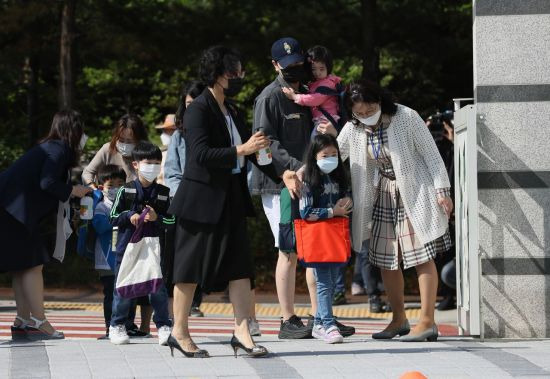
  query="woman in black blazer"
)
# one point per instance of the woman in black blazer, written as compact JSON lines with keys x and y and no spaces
{"x":212,"y":202}
{"x":30,"y":191}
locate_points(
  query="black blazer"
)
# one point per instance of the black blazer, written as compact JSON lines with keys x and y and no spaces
{"x":209,"y":159}
{"x":32,"y":187}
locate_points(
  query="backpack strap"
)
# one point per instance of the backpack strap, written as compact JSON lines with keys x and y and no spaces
{"x":324,"y":90}
{"x":329,"y":117}
{"x":161,"y":199}
{"x":339,"y":92}
{"x":130,"y":194}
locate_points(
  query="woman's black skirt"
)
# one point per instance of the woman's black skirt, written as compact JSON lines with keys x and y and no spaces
{"x":213,"y":255}
{"x":22,"y":249}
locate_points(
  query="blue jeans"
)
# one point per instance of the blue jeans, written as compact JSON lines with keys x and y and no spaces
{"x":159,"y":302}
{"x":365,"y":273}
{"x":340,"y":283}
{"x":326,"y":278}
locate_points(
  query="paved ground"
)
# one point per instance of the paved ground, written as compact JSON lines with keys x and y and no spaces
{"x":82,"y":356}
{"x":358,"y":357}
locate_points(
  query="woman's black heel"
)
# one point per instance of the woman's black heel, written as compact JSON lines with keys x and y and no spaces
{"x":255,"y":352}
{"x":173,"y":344}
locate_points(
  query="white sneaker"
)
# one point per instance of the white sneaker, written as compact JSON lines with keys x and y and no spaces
{"x":318,"y":332}
{"x":118,"y":335}
{"x":333,"y":335}
{"x":357,"y":289}
{"x":254,"y":328}
{"x":164,"y":334}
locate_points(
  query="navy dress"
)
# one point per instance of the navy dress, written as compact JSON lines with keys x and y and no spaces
{"x":30,"y":191}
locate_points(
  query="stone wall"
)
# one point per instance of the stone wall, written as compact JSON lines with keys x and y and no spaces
{"x":512,"y":94}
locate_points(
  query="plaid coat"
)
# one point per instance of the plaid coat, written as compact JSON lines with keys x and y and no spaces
{"x":419,"y":171}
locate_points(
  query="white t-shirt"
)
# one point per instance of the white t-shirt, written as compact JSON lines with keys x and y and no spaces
{"x":235,"y":137}
{"x":102,"y":208}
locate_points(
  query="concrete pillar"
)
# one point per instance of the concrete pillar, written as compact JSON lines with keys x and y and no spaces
{"x":512,"y":95}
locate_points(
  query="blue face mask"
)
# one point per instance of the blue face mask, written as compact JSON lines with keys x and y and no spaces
{"x":327,"y":165}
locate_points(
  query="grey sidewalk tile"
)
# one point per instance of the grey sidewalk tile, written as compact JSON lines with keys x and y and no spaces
{"x":70,"y":374}
{"x":29,"y":360}
{"x":327,"y":373}
{"x":351,"y":372}
{"x":486,"y":372}
{"x":290,"y":359}
{"x":5,"y":354}
{"x":448,"y":372}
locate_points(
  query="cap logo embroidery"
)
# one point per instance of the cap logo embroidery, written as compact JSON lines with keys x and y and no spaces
{"x":287,"y":48}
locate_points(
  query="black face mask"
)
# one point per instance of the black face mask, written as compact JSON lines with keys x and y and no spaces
{"x":294,"y":74}
{"x":234,"y":86}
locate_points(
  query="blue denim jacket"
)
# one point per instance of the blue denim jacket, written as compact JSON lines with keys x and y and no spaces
{"x":175,"y":162}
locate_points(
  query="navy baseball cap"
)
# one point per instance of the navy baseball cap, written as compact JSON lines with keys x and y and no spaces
{"x":286,"y":51}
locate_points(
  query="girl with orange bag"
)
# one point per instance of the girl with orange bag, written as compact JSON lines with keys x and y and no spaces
{"x":325,"y":196}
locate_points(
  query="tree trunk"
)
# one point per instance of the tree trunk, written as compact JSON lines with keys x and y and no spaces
{"x":66,"y":74}
{"x":31,"y":83}
{"x":371,"y":54}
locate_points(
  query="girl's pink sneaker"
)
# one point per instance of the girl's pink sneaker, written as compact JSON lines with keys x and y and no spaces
{"x":332,"y":335}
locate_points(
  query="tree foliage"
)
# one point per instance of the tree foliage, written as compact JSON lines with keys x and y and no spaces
{"x":134,"y":55}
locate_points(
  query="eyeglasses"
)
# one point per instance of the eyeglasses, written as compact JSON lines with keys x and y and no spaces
{"x":369,"y":112}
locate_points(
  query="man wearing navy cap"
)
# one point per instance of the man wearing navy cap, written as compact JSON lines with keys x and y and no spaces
{"x":288,"y":126}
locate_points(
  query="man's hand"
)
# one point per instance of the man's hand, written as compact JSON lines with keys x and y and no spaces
{"x":151,"y":215}
{"x":293,"y":184}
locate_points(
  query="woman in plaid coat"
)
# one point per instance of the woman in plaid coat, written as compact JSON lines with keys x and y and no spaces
{"x":405,"y":213}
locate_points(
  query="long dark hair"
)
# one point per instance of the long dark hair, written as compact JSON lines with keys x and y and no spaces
{"x":365,"y":91}
{"x":312,"y":174}
{"x":128,"y":121}
{"x":193,"y":89}
{"x":67,"y":126}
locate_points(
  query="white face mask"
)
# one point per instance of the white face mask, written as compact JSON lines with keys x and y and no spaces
{"x":82,"y":142}
{"x":125,"y":149}
{"x":372,"y":120}
{"x":328,"y":164}
{"x":149,"y":171}
{"x":165,"y":139}
{"x":111,"y":193}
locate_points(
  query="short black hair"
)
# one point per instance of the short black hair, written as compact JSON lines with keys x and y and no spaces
{"x":320,"y":53}
{"x":109,"y":172}
{"x":146,"y":150}
{"x":365,"y":91}
{"x":215,"y":61}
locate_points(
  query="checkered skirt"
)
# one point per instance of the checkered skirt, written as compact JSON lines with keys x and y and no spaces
{"x":392,"y":231}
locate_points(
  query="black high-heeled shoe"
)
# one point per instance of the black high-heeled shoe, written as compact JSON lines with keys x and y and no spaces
{"x":173,"y":344}
{"x":255,"y":352}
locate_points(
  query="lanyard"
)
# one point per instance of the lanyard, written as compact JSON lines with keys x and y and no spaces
{"x":229,"y":124}
{"x":376,"y":149}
